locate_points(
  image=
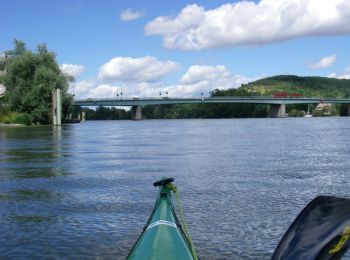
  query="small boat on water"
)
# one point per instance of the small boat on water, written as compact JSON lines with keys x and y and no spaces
{"x":308,"y":114}
{"x":163,"y":236}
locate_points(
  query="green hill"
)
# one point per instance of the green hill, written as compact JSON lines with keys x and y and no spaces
{"x":306,"y":86}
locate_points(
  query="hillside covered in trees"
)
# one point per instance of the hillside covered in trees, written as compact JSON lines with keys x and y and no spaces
{"x":305,"y":86}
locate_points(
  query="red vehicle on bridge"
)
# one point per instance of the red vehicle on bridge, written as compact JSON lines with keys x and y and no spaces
{"x":282,"y":94}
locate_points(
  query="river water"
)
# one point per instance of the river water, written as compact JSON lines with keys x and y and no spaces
{"x":84,"y":191}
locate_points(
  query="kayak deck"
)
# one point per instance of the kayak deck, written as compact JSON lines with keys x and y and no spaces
{"x":163,"y":236}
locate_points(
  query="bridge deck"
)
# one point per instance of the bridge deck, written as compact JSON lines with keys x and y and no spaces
{"x":234,"y":100}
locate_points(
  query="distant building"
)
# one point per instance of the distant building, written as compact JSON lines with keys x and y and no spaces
{"x":325,"y":109}
{"x":2,"y":90}
{"x":3,"y":57}
{"x":2,"y":60}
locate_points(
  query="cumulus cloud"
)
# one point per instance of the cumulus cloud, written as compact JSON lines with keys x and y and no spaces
{"x":103,"y":91}
{"x":247,"y":23}
{"x":144,"y":69}
{"x":196,"y":79}
{"x":206,"y":78}
{"x":342,"y":75}
{"x":74,"y":70}
{"x":129,"y":15}
{"x":324,"y":62}
{"x":94,"y":89}
{"x":82,"y":88}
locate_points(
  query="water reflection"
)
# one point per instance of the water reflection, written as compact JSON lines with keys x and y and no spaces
{"x":38,"y":219}
{"x":34,"y":152}
{"x":27,"y":194}
{"x":25,"y":173}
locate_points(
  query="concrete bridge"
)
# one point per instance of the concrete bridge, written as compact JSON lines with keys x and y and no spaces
{"x":278,"y":105}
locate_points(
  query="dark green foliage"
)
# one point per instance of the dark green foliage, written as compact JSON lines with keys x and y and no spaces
{"x":20,"y":48}
{"x":24,"y":119}
{"x":260,"y":111}
{"x":104,"y":113}
{"x":343,"y":109}
{"x":297,"y":107}
{"x":2,"y":63}
{"x":30,"y":79}
{"x":10,"y":117}
{"x":208,"y":110}
{"x":295,"y":113}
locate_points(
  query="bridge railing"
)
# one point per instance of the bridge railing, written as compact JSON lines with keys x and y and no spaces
{"x":196,"y":98}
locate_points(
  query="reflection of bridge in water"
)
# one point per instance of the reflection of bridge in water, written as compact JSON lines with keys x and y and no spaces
{"x":278,"y":105}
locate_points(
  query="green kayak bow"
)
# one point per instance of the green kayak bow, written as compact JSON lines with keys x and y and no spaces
{"x":163,"y":236}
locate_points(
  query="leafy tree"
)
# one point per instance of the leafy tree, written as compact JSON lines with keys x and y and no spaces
{"x":30,"y":79}
{"x":20,"y":48}
{"x":103,"y":113}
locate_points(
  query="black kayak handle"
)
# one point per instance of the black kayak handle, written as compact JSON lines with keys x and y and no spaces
{"x":163,"y":182}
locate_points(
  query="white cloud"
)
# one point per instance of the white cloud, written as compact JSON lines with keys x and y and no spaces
{"x":247,"y":23}
{"x":214,"y":76}
{"x":324,"y":62}
{"x":198,"y":73}
{"x":74,"y":70}
{"x":144,"y":69}
{"x":103,"y":91}
{"x":94,"y":89}
{"x":206,"y":78}
{"x":129,"y":15}
{"x":343,"y":75}
{"x":82,"y":89}
{"x":191,"y":84}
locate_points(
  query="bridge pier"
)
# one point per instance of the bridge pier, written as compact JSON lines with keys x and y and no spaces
{"x":56,"y":107}
{"x":83,"y":116}
{"x":136,"y":112}
{"x":348,"y":110}
{"x":277,"y":110}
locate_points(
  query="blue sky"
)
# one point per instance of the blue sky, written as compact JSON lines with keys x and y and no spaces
{"x":182,"y":47}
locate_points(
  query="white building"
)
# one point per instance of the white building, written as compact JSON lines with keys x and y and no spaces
{"x":2,"y":90}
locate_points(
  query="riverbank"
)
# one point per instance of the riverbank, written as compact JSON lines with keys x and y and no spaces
{"x":11,"y":125}
{"x":14,"y":118}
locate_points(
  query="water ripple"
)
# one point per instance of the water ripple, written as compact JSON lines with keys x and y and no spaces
{"x":84,"y":191}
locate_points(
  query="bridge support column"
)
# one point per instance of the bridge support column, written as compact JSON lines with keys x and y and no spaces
{"x":278,"y":110}
{"x":136,"y":112}
{"x":56,"y":107}
{"x":348,"y":110}
{"x":83,"y":116}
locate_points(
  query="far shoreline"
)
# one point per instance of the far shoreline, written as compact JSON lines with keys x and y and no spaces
{"x":11,"y":125}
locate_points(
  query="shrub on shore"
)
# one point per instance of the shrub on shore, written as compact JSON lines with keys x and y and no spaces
{"x":15,"y":118}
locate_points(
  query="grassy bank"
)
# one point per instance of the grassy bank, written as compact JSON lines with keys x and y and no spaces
{"x":9,"y":117}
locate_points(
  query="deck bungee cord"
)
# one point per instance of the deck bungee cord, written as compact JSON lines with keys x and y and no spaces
{"x":172,"y":187}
